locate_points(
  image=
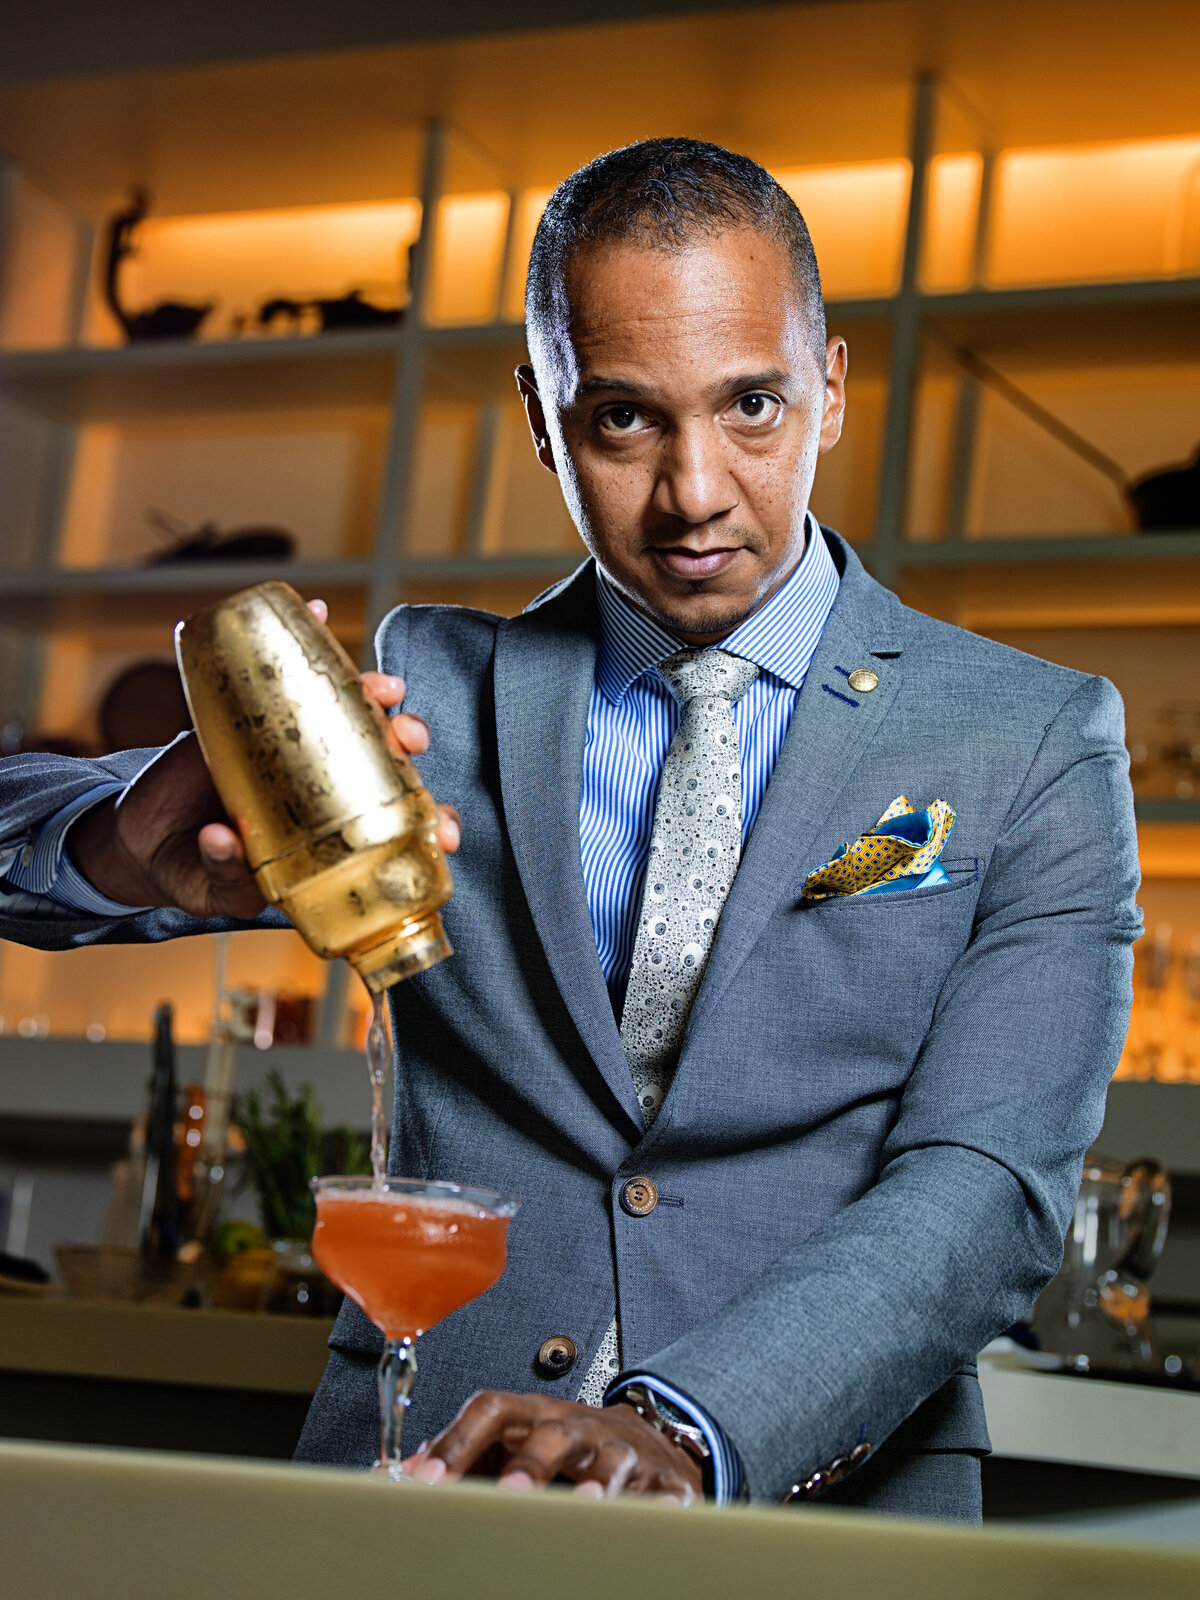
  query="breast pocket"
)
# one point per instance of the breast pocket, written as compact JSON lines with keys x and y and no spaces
{"x":857,"y":978}
{"x":962,"y":873}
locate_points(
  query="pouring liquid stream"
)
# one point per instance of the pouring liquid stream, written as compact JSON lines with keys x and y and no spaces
{"x":377,"y":1056}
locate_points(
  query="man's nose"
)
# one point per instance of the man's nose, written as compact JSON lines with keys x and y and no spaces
{"x":694,"y":482}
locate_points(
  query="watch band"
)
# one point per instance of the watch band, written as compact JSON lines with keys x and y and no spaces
{"x":684,"y":1434}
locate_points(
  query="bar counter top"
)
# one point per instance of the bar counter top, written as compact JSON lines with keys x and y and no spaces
{"x":1089,"y":1422}
{"x":162,"y":1344}
{"x":133,"y":1525}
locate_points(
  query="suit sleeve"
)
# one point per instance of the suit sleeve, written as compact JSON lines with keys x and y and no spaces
{"x":35,"y":788}
{"x":846,"y":1334}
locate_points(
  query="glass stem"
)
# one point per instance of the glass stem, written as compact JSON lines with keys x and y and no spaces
{"x":397,"y":1373}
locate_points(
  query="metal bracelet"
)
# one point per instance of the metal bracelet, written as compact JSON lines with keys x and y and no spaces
{"x":686,"y":1435}
{"x":826,"y":1477}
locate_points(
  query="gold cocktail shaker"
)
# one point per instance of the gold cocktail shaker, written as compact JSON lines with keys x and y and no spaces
{"x":339,"y":833}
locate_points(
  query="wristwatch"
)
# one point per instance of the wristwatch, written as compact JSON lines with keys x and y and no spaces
{"x":684,"y":1434}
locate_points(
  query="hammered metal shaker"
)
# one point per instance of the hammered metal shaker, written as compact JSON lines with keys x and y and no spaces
{"x":339,"y":833}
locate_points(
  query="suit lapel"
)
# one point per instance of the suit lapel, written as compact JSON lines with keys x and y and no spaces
{"x":545,"y":668}
{"x":830,"y":730}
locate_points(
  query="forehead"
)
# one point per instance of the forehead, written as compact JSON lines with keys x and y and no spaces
{"x":670,"y":317}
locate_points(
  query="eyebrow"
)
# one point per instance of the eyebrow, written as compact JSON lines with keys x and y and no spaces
{"x":770,"y":378}
{"x":611,"y":386}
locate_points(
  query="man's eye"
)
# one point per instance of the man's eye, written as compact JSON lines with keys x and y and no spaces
{"x":756,"y":408}
{"x":622,"y":419}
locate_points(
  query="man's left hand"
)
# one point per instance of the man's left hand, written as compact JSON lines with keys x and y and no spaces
{"x":526,"y":1441}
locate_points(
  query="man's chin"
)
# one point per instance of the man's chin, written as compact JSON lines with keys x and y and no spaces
{"x":707,"y":617}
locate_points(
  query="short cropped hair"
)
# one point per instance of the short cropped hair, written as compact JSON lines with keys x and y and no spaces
{"x":665,"y":194}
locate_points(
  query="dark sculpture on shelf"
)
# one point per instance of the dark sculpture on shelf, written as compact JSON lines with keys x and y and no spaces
{"x":169,"y":320}
{"x":1169,"y":499}
{"x":208,"y":543}
{"x":348,"y":311}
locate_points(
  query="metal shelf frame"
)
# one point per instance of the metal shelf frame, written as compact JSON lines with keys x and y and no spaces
{"x":392,"y":370}
{"x":121,"y":383}
{"x":1167,"y":810}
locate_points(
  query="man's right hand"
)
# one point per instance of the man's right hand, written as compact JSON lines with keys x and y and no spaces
{"x":170,"y":843}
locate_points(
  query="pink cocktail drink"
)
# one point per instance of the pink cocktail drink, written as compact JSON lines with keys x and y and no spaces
{"x":407,"y":1253}
{"x":405,"y":1260}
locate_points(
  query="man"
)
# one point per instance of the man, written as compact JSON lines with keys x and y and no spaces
{"x":791,"y":1148}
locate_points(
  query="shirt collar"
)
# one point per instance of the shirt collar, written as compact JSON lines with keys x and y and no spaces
{"x":780,"y":638}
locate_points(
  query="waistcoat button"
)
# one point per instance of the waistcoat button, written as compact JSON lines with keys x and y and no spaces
{"x":639,"y":1197}
{"x":556,"y":1356}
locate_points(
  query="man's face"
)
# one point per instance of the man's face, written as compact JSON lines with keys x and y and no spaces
{"x":683,"y":409}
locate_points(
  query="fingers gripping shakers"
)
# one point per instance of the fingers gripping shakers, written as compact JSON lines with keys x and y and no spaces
{"x":339,"y":833}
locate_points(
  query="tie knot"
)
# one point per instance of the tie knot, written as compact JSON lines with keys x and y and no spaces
{"x":715,"y":673}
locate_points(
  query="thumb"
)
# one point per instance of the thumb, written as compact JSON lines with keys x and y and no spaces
{"x":232,"y":890}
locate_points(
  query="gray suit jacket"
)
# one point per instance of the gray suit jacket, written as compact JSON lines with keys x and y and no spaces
{"x":873,"y":1140}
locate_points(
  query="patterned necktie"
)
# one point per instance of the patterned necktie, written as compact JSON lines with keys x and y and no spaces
{"x":694,"y":853}
{"x":695,"y":848}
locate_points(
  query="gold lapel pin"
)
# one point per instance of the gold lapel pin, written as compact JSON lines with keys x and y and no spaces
{"x":864,"y":680}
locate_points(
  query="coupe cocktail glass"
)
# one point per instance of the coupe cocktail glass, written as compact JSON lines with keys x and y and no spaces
{"x":407,"y":1253}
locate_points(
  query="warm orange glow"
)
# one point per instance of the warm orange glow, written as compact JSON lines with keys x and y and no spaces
{"x":468,"y":258}
{"x":1104,"y":211}
{"x":1163,"y":1043}
{"x":38,"y":273}
{"x":244,"y":258}
{"x":855,"y":215}
{"x":114,"y":987}
{"x":948,"y":260}
{"x":315,"y":474}
{"x":1168,"y":850}
{"x":529,"y":214}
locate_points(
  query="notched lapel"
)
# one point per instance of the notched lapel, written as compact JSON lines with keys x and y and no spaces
{"x":545,"y":667}
{"x":831,"y":728}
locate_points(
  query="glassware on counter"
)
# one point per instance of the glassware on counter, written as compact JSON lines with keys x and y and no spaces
{"x":1095,"y":1315}
{"x":407,"y":1253}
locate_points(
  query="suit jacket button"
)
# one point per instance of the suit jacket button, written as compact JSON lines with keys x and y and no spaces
{"x":557,"y":1356}
{"x":639,"y":1197}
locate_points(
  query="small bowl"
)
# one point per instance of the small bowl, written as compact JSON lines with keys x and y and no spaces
{"x":106,"y":1273}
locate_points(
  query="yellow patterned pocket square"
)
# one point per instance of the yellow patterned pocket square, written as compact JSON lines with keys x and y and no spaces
{"x":900,"y":852}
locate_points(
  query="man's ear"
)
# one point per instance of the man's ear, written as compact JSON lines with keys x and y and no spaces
{"x":532,"y":401}
{"x":836,"y":357}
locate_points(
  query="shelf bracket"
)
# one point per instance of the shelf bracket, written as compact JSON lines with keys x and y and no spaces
{"x":906,"y":330}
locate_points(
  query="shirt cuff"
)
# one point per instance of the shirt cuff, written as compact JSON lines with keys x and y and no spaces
{"x":44,"y":868}
{"x":728,"y":1474}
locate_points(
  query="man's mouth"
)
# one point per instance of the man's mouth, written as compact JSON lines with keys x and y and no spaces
{"x":681,"y":562}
